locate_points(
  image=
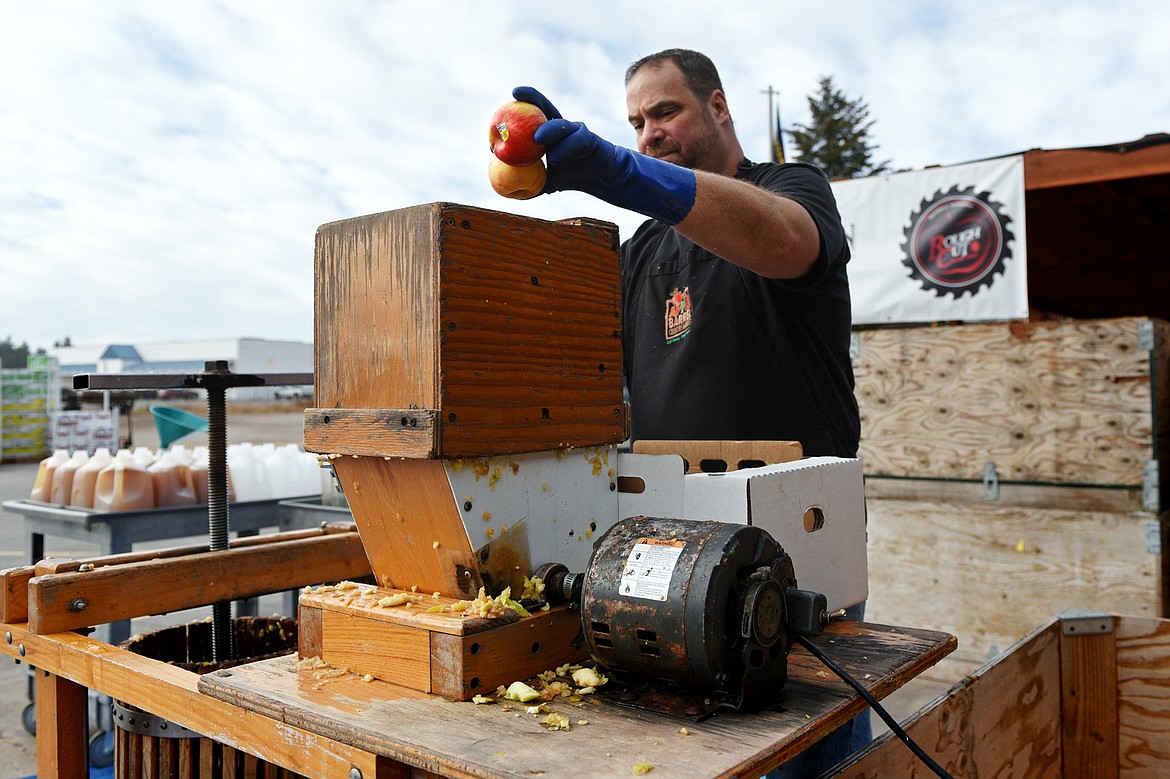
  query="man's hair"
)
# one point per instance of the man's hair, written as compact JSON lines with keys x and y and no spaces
{"x":698,"y":70}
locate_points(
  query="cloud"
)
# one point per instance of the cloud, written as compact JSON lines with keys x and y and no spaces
{"x":166,"y":165}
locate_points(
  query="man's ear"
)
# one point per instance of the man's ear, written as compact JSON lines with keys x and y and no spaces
{"x":717,"y":103}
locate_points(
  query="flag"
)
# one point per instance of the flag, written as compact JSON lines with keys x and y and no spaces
{"x":778,"y":141}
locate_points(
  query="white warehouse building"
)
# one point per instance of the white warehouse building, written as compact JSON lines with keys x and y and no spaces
{"x":243,"y":355}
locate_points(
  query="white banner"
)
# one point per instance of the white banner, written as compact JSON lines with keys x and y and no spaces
{"x":937,"y":245}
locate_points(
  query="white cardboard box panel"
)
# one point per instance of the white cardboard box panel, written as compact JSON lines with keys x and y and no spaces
{"x":831,"y":559}
{"x":658,"y":481}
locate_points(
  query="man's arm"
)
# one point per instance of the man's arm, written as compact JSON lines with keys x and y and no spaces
{"x":745,"y":224}
{"x":752,"y":227}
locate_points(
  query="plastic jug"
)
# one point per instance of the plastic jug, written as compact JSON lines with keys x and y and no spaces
{"x":123,"y":485}
{"x":199,"y":477}
{"x":85,"y":480}
{"x":173,"y":483}
{"x":63,"y":477}
{"x":309,"y":474}
{"x":43,"y":486}
{"x":285,"y":468}
{"x":182,"y":454}
{"x":249,"y":473}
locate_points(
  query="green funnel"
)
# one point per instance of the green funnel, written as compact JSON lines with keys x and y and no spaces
{"x":174,"y":423}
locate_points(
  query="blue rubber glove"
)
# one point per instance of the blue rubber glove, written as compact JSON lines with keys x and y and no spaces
{"x":580,"y":160}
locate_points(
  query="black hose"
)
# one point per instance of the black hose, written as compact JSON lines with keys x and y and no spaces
{"x":895,"y":728}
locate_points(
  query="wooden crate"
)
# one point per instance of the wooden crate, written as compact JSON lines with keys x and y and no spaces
{"x":1013,"y":470}
{"x":450,"y":331}
{"x":442,"y":653}
{"x":1085,"y":696}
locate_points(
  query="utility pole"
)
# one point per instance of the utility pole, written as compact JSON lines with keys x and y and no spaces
{"x":771,"y":129}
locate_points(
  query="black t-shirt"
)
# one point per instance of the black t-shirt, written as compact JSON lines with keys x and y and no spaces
{"x":717,"y":352}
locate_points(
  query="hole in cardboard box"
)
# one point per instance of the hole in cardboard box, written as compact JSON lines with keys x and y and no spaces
{"x":814,"y":519}
{"x":631,"y":485}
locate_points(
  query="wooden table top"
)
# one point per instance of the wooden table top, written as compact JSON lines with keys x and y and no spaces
{"x":465,"y":739}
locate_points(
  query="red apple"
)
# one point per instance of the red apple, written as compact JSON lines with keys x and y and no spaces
{"x":518,"y":182}
{"x":510,"y":134}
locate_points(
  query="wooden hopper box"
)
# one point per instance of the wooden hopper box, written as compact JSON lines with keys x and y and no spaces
{"x":450,"y":331}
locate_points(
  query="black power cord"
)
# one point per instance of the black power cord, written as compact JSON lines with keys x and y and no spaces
{"x":895,"y":728}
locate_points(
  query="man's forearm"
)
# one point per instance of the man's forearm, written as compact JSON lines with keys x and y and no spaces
{"x":752,"y":227}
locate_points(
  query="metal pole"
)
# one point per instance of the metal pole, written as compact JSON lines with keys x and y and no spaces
{"x":771,"y":129}
{"x":217,"y":506}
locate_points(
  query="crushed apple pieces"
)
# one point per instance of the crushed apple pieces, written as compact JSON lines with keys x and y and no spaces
{"x":519,"y":691}
{"x":394,"y":600}
{"x":642,"y":768}
{"x":588,"y":677}
{"x":533,"y":588}
{"x":556,"y":721}
{"x":308,"y":663}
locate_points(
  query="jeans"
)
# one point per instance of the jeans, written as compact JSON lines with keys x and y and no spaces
{"x":836,"y":746}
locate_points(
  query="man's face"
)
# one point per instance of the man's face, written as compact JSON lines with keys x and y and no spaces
{"x":669,"y":121}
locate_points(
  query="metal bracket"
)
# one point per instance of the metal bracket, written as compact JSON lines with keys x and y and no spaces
{"x":1153,"y":536}
{"x":1080,"y":622}
{"x":1151,"y":494}
{"x":990,"y":481}
{"x":135,"y":720}
{"x":1146,"y":335}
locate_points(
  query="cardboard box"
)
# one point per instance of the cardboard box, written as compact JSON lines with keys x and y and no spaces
{"x":814,"y":507}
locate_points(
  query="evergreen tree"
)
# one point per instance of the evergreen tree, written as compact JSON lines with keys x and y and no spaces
{"x":836,"y":139}
{"x":11,"y":355}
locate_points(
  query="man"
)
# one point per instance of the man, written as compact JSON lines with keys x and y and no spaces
{"x":736,"y":299}
{"x":735,"y":295}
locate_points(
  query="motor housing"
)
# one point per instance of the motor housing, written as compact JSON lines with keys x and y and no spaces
{"x":704,"y":605}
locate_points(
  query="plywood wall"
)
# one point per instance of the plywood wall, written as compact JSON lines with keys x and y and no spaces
{"x":990,"y":573}
{"x":1068,"y":402}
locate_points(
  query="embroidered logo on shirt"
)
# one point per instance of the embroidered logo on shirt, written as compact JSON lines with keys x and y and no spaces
{"x":678,"y":315}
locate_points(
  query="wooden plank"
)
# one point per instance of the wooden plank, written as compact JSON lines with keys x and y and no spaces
{"x":71,"y":565}
{"x":1088,"y":675}
{"x":1004,"y":720}
{"x":309,"y":621}
{"x":14,"y":581}
{"x":1045,"y":169}
{"x":372,"y":432}
{"x":993,"y":572}
{"x":720,"y":456}
{"x":463,"y":666}
{"x":1112,"y":500}
{"x":1065,"y":402}
{"x":410,"y":524}
{"x":448,"y":738}
{"x":14,"y":593}
{"x":157,"y":586}
{"x":394,"y":653}
{"x":531,"y":334}
{"x":375,"y":311}
{"x":61,"y":727}
{"x":362,"y":602}
{"x":1143,"y":683}
{"x":171,"y":693}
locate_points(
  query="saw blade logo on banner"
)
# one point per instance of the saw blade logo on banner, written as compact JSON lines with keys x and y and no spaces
{"x":957,"y":242}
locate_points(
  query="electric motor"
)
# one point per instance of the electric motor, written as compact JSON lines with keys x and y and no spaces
{"x":705,"y":605}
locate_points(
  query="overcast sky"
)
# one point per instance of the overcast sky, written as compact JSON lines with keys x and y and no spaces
{"x":164,"y":166}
